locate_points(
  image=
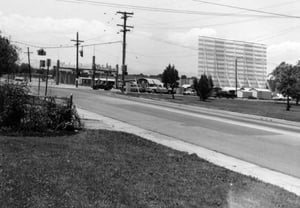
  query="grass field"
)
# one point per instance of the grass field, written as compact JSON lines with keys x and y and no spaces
{"x":273,"y":109}
{"x":98,"y":168}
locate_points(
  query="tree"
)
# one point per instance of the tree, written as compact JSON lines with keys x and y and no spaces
{"x":169,"y":78}
{"x":8,"y":56}
{"x":203,"y":86}
{"x":287,"y":78}
{"x":183,"y":77}
{"x":23,"y":68}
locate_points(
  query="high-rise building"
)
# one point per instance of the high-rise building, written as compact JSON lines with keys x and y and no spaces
{"x":229,"y":60}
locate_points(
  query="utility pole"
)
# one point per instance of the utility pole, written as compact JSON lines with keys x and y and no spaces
{"x":77,"y":51}
{"x":125,"y":29}
{"x":94,"y":71}
{"x":236,"y":78}
{"x":29,"y":67}
{"x":48,"y":65}
{"x":117,"y":76}
{"x":57,"y":72}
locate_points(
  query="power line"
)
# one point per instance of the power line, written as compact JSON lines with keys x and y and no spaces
{"x":170,"y":54}
{"x":62,"y":46}
{"x":153,"y":25}
{"x":39,"y":46}
{"x":247,"y":9}
{"x":105,"y":43}
{"x":190,"y":20}
{"x":279,"y":33}
{"x":165,"y":10}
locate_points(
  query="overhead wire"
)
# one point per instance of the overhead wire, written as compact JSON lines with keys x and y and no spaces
{"x":63,"y":46}
{"x":279,"y":33}
{"x":247,"y":9}
{"x":190,"y":20}
{"x":174,"y":11}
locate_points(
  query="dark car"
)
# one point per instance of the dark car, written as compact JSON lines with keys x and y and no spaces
{"x":106,"y":85}
{"x":226,"y":94}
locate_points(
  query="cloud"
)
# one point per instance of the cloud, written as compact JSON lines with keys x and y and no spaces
{"x":190,"y":38}
{"x":287,"y":51}
{"x":48,"y":28}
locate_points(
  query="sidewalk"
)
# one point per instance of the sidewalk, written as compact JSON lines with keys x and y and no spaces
{"x":289,"y":183}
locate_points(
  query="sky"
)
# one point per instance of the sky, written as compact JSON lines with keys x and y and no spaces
{"x":165,"y":31}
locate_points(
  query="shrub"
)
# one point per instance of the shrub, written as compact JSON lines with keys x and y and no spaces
{"x":13,"y":104}
{"x":22,"y":112}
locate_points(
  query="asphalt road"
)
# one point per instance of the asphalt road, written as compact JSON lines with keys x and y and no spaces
{"x":273,"y":145}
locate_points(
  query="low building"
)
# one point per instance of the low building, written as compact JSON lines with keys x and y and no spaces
{"x":262,"y":94}
{"x":148,"y":82}
{"x":246,"y":93}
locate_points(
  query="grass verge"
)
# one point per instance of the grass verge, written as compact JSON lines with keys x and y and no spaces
{"x":272,"y":109}
{"x":98,"y":168}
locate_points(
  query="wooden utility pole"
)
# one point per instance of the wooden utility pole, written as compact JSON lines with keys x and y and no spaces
{"x":57,"y":72}
{"x":48,"y":65}
{"x":29,"y":67}
{"x":77,"y":51}
{"x":236,"y":78}
{"x":94,"y":71}
{"x":125,"y":29}
{"x":117,"y":76}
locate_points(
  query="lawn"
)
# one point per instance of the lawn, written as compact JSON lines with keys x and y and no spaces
{"x":99,"y":168}
{"x":267,"y":108}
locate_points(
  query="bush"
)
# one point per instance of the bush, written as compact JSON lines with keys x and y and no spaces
{"x":22,"y":112}
{"x":13,"y":104}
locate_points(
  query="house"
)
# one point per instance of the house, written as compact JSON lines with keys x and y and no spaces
{"x":262,"y":94}
{"x":244,"y":93}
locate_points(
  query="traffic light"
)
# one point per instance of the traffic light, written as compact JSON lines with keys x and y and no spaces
{"x":48,"y":62}
{"x":125,"y":70}
{"x":42,"y":63}
{"x":41,"y":52}
{"x":81,"y":51}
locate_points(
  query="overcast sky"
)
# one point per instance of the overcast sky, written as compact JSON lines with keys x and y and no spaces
{"x":159,"y":37}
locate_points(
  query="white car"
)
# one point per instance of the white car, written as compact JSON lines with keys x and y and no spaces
{"x":189,"y":92}
{"x":156,"y":89}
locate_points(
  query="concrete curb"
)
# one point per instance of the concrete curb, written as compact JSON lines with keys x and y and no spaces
{"x":289,"y":183}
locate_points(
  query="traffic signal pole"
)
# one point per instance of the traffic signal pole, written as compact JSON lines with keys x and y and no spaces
{"x":125,"y":16}
{"x":77,"y":58}
{"x":29,"y":67}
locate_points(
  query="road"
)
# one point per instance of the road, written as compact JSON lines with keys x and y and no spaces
{"x":272,"y":145}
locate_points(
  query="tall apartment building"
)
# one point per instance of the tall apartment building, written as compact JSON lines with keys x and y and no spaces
{"x":225,"y":60}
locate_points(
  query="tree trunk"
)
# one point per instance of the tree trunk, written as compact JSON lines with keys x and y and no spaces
{"x":288,"y":103}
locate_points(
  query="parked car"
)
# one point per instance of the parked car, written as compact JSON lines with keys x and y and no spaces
{"x":136,"y":88}
{"x":106,"y":85}
{"x":189,"y":91}
{"x":20,"y":80}
{"x":152,"y":88}
{"x":226,"y":94}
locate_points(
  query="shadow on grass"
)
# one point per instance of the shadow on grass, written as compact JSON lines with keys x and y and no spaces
{"x":116,"y":169}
